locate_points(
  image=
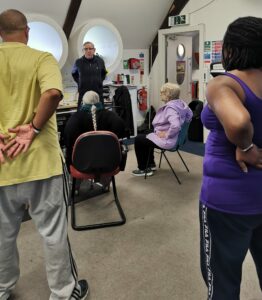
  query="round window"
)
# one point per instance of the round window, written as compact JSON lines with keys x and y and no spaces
{"x":181,"y":51}
{"x":106,"y":38}
{"x":46,"y":35}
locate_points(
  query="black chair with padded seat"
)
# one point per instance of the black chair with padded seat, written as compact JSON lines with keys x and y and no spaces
{"x":181,"y":140}
{"x":97,"y":155}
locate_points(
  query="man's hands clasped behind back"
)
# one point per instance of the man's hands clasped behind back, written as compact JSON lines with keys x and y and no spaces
{"x":3,"y":139}
{"x":13,"y":146}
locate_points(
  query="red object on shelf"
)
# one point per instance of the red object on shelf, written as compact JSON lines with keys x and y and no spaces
{"x":134,"y":63}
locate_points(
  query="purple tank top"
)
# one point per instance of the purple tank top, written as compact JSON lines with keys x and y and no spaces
{"x":225,"y":187}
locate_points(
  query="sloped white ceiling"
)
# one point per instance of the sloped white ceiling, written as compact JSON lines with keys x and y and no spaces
{"x":137,"y":20}
{"x":55,"y":9}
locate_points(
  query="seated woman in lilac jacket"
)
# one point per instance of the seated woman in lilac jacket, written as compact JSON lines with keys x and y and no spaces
{"x":167,"y":124}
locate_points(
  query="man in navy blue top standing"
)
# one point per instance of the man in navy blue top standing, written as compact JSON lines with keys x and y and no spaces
{"x":89,"y":72}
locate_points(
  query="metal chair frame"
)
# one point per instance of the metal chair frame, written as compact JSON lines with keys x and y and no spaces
{"x":181,"y":140}
{"x":94,"y":174}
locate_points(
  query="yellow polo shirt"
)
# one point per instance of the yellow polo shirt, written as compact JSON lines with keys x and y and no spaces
{"x":25,"y":74}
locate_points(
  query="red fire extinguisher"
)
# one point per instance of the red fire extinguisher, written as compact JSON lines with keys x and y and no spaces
{"x":142,"y":99}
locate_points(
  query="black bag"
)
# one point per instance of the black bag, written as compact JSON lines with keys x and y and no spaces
{"x":147,"y":126}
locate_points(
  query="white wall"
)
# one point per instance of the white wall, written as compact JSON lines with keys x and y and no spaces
{"x":154,"y":79}
{"x":219,"y":13}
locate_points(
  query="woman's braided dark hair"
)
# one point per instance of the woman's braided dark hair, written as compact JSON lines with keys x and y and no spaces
{"x":242,"y":44}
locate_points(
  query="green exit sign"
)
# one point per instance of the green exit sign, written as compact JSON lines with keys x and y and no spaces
{"x":178,"y":20}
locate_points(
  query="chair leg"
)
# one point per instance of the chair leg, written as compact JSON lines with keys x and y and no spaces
{"x":147,"y":163}
{"x":182,"y":160}
{"x":160,"y":160}
{"x":99,"y":225}
{"x":119,"y":207}
{"x":171,"y":167}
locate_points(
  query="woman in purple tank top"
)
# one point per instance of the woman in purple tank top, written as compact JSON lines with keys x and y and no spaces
{"x":231,"y":193}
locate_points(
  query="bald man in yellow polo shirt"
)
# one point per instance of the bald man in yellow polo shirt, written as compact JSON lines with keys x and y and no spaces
{"x":31,"y":172}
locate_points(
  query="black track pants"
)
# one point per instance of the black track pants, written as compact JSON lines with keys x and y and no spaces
{"x":225,"y":239}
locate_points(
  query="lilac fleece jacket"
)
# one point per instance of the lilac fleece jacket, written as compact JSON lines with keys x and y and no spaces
{"x":170,"y":118}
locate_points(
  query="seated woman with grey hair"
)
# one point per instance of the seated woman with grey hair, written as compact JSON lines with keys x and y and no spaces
{"x":91,"y":116}
{"x":167,"y":124}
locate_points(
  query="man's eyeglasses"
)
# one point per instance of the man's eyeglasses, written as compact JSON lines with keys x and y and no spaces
{"x":86,"y":49}
{"x":23,"y":28}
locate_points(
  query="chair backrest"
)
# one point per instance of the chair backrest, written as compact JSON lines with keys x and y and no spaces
{"x":182,"y":136}
{"x":97,"y":152}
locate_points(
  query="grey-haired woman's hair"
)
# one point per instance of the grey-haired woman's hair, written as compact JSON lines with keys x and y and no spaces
{"x":171,"y":90}
{"x":92,"y":97}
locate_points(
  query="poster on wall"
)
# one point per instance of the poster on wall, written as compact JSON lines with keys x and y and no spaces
{"x":207,"y":52}
{"x":212,"y":52}
{"x":216,"y":51}
{"x":180,"y":71}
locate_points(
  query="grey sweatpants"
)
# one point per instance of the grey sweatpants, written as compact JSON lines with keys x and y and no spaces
{"x":47,"y":200}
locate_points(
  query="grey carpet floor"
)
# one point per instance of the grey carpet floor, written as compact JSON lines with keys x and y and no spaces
{"x":154,"y":256}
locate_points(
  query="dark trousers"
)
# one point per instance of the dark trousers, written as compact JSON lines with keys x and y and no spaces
{"x":225,"y":239}
{"x":144,"y":149}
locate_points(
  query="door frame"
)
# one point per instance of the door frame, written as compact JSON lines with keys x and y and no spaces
{"x":172,"y":61}
{"x":162,"y":35}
